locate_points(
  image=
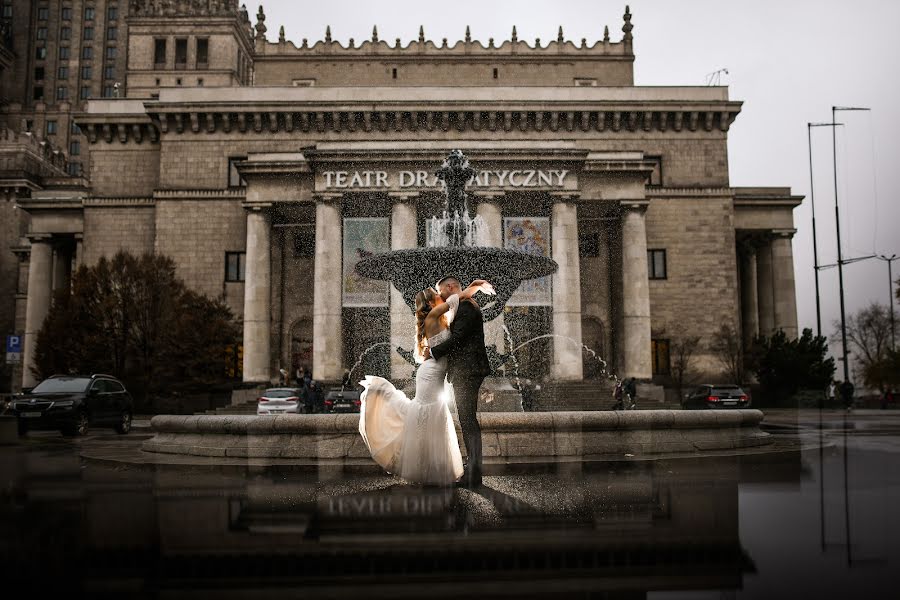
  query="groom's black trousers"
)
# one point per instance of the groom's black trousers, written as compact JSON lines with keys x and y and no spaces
{"x":465,"y":390}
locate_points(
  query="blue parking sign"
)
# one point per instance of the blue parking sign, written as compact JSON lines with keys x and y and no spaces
{"x":14,"y":343}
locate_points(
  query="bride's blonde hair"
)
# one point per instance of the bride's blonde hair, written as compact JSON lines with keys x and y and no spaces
{"x":424,"y":301}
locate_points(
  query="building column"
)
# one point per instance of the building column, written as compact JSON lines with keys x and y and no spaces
{"x":258,"y":296}
{"x":492,"y":236}
{"x":328,"y":343}
{"x":749,"y":306}
{"x":635,"y":292}
{"x":403,"y":326}
{"x":40,"y":291}
{"x":78,"y":258}
{"x":784,"y":292}
{"x":765,"y":288}
{"x":567,"y":363}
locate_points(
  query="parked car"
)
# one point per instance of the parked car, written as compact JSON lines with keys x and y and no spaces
{"x":719,"y":395}
{"x":279,"y":401}
{"x":73,"y":403}
{"x":340,"y":400}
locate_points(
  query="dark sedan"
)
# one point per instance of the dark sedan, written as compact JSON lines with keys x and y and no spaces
{"x":716,"y":396}
{"x":342,"y":401}
{"x":72,"y":403}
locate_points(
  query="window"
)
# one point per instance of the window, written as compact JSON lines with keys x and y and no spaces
{"x":111,"y":52}
{"x":74,"y":169}
{"x":75,"y":129}
{"x":51,"y":127}
{"x":89,"y":13}
{"x":65,"y":33}
{"x":75,"y":148}
{"x":659,"y":350}
{"x":88,"y":33}
{"x":656,"y":264}
{"x":234,"y":178}
{"x":43,"y":14}
{"x":178,"y":81}
{"x":66,"y":13}
{"x":108,"y":91}
{"x":589,"y":244}
{"x":62,"y":92}
{"x":7,"y":11}
{"x":87,"y":53}
{"x":234,"y":266}
{"x":181,"y":53}
{"x":109,"y":72}
{"x":200,"y":82}
{"x":39,"y":73}
{"x":29,"y":125}
{"x":62,"y":72}
{"x":202,"y":53}
{"x":159,"y":54}
{"x":394,"y":73}
{"x":40,"y":53}
{"x":42,"y":33}
{"x":303,"y":82}
{"x":85,"y":92}
{"x":38,"y":92}
{"x":496,"y":73}
{"x":64,"y":53}
{"x":112,"y":13}
{"x":112,"y":33}
{"x":86,"y":72}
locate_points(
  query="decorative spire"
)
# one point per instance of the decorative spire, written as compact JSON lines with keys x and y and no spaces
{"x":559,"y":36}
{"x":627,"y":27}
{"x":421,"y":34}
{"x":468,"y":35}
{"x":397,"y":43}
{"x":515,"y":36}
{"x":305,"y":43}
{"x":261,"y":23}
{"x":328,"y":34}
{"x":281,"y":34}
{"x":537,"y":42}
{"x":375,"y":33}
{"x":606,"y":34}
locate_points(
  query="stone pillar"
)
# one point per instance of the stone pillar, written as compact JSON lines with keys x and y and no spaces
{"x":403,"y":324}
{"x":489,"y":210}
{"x":78,"y":258}
{"x":62,"y":262}
{"x":40,"y":281}
{"x":749,"y":305}
{"x":765,"y":286}
{"x":328,"y":343}
{"x":635,"y":292}
{"x":567,"y":363}
{"x":784,"y":292}
{"x":258,"y":297}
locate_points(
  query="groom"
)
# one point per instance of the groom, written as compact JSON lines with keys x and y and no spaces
{"x":467,"y":366}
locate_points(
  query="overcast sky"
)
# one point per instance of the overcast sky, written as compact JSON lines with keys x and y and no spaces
{"x":789,"y":61}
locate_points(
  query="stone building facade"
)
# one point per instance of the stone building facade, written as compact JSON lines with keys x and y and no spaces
{"x":251,"y":168}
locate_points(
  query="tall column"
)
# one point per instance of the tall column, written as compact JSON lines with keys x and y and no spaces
{"x":567,"y":363}
{"x":40,"y":281}
{"x":328,"y":343}
{"x":635,"y":291}
{"x":258,"y":297}
{"x":490,"y":212}
{"x":765,"y":286}
{"x":749,"y":305}
{"x":78,"y":258}
{"x":403,"y":326}
{"x":785,"y":298}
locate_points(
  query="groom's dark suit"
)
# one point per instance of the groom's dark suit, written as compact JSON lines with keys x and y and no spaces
{"x":467,"y":366}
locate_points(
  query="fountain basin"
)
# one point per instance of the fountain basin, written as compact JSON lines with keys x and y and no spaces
{"x":508,"y":437}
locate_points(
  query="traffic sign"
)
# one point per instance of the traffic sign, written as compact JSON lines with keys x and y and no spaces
{"x":14,"y":343}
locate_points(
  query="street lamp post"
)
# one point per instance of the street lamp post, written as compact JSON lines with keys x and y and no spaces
{"x":889,"y":260}
{"x":837,"y":224}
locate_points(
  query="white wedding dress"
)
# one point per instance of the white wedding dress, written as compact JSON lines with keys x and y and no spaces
{"x":415,"y":439}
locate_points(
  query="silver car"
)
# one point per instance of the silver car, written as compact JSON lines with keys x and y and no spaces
{"x":279,"y":401}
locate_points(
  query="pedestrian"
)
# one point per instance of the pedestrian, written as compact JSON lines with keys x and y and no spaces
{"x":630,"y":389}
{"x":832,"y":388}
{"x":298,"y":376}
{"x":618,"y":394}
{"x":847,"y":390}
{"x":345,"y":380}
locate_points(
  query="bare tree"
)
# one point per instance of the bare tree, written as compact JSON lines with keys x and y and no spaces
{"x":727,"y":347}
{"x":682,"y":348}
{"x":869,"y":332}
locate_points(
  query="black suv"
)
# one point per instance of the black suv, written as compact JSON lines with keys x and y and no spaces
{"x":721,"y":395}
{"x":71,"y":403}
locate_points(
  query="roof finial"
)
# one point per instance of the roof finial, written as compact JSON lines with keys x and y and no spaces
{"x":281,"y":34}
{"x":375,"y":33}
{"x":515,"y":36}
{"x":627,"y":27}
{"x":260,"y":23}
{"x":328,"y":34}
{"x":559,"y":36}
{"x":606,"y":34}
{"x":468,"y":35}
{"x":421,"y":34}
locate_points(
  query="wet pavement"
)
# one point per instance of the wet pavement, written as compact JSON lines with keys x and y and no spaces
{"x":817,"y":516}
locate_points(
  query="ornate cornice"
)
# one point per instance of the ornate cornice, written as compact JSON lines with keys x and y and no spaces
{"x":117,"y":202}
{"x":200,"y":194}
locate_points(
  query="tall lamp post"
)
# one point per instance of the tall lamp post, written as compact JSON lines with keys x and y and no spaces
{"x":837,"y":224}
{"x":812,"y":200}
{"x":889,"y":260}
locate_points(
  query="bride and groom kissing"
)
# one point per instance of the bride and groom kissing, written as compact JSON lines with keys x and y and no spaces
{"x":416,"y":438}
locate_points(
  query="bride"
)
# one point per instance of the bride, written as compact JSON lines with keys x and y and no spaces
{"x":416,"y":439}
